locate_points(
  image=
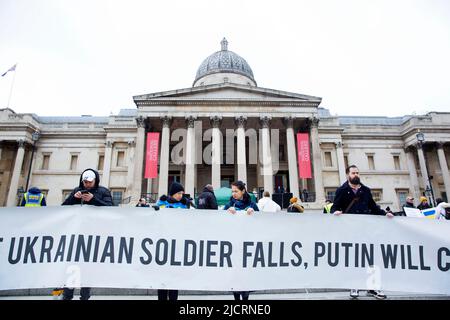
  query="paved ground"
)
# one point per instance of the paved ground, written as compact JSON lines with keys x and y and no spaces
{"x":337,"y":295}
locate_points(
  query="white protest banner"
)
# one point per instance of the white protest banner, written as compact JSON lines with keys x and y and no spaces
{"x":413,"y":212}
{"x":213,"y":250}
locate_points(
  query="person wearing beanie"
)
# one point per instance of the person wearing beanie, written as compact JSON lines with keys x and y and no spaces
{"x":178,"y":200}
{"x":423,"y":204}
{"x":295,"y":206}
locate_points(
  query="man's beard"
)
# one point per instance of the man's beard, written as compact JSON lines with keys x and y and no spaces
{"x":355,"y":181}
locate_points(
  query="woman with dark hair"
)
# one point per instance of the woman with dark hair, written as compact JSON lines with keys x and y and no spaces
{"x":240,"y":201}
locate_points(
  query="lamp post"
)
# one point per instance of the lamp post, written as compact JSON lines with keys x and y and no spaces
{"x":429,"y":188}
{"x":35,"y":137}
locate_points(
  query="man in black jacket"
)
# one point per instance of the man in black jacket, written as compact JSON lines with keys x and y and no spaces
{"x":207,"y":199}
{"x":355,"y":198}
{"x":88,"y":192}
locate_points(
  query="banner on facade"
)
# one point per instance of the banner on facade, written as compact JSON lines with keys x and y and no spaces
{"x":213,"y":250}
{"x":304,"y":159}
{"x":151,"y":158}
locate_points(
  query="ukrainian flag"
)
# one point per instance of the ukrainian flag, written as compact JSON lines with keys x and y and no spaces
{"x":429,"y":213}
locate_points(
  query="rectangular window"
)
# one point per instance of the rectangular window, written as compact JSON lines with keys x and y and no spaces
{"x":117,"y":197}
{"x":330,"y":194}
{"x":328,"y":161}
{"x":73,"y":162}
{"x":377,"y":195}
{"x":282,"y":153}
{"x":401,"y":196}
{"x":397,"y":162}
{"x":120,"y":159}
{"x":371,"y":161}
{"x":101,"y":161}
{"x":346,"y":160}
{"x":65,"y":194}
{"x":45,"y":161}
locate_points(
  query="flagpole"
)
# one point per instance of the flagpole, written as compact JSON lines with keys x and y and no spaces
{"x":12,"y":86}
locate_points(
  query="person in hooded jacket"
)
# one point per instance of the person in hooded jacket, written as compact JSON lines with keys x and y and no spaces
{"x":33,"y":198}
{"x":178,"y":200}
{"x":240,"y":201}
{"x":88,"y":192}
{"x":207,"y":199}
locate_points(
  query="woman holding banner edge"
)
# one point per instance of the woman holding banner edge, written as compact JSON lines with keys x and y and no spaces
{"x":240,"y":201}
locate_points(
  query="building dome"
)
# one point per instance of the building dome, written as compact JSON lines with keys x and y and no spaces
{"x":224,"y":66}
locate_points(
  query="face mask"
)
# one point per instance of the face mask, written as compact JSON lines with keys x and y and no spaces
{"x":355,"y":180}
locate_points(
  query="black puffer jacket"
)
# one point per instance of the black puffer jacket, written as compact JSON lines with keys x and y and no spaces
{"x":102,"y":196}
{"x":364,"y":205}
{"x":207,"y":200}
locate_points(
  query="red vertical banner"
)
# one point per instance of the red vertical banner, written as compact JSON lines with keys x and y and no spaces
{"x":151,"y":156}
{"x":304,"y":158}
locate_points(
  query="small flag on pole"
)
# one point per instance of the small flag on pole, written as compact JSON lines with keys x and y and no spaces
{"x":13,"y":68}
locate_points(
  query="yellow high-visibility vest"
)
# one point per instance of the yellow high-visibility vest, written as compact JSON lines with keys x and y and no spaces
{"x":328,"y":207}
{"x":33,"y":200}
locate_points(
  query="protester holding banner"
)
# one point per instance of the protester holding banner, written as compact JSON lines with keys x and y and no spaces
{"x":240,"y":201}
{"x":355,"y":198}
{"x":423,"y":204}
{"x":176,"y":199}
{"x":88,"y":192}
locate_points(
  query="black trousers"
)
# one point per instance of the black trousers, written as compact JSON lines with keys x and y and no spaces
{"x":84,"y":292}
{"x":238,"y":294}
{"x":171,"y":295}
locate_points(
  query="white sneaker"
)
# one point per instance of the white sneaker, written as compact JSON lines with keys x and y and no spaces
{"x":354,"y":293}
{"x":376,"y":294}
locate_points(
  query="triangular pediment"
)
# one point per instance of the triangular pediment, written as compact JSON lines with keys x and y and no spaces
{"x":227,"y":91}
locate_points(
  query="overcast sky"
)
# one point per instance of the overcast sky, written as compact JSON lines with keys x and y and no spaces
{"x":90,"y":57}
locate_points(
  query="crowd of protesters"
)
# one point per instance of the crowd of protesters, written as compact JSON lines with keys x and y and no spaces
{"x":352,"y":197}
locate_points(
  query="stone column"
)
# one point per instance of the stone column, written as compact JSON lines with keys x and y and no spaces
{"x":266,"y":154}
{"x":12,"y":194}
{"x":190,"y":157}
{"x":241,"y":157}
{"x":216,"y":152}
{"x":415,"y":189}
{"x":423,"y":165}
{"x":444,"y":168}
{"x":292,"y":156}
{"x":130,"y":174}
{"x":107,"y":163}
{"x":139,"y":159}
{"x":317,"y":161}
{"x":164,"y":157}
{"x":341,"y":162}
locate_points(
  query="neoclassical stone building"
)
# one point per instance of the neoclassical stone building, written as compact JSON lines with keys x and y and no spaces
{"x":221,"y":129}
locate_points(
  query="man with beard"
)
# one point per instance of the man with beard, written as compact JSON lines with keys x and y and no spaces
{"x":355,"y":198}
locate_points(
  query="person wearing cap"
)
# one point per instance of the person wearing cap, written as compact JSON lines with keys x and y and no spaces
{"x":423,"y":204}
{"x":408,"y":204}
{"x":177,"y":200}
{"x":88,"y":192}
{"x":295,"y":206}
